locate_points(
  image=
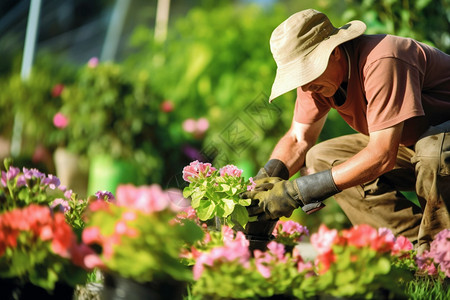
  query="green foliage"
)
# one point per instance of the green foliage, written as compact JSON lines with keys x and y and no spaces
{"x":217,"y":64}
{"x":425,"y":20}
{"x":150,"y":246}
{"x":218,"y":196}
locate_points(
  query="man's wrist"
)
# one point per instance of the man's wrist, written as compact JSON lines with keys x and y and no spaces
{"x":276,"y":168}
{"x":313,"y":189}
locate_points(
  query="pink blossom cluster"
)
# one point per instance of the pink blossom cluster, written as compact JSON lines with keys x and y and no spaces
{"x":197,"y":128}
{"x":147,"y":198}
{"x":197,"y":169}
{"x":92,"y":235}
{"x":42,"y":224}
{"x":438,"y":257}
{"x":230,"y":170}
{"x":381,"y":240}
{"x":60,"y":120}
{"x":235,"y":249}
{"x":290,"y":229}
{"x":252,"y":184}
{"x":264,"y":260}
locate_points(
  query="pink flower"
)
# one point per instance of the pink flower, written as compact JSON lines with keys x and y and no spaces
{"x":323,"y":240}
{"x":202,"y":125}
{"x":189,"y":125}
{"x":60,"y":121}
{"x":252,"y":184}
{"x":197,"y":169}
{"x":147,"y":199}
{"x":234,"y":251}
{"x":93,"y":62}
{"x":291,"y":227}
{"x":91,"y":235}
{"x":401,"y":244}
{"x":230,"y":170}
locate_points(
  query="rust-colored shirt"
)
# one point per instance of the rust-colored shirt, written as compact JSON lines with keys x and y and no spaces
{"x":392,"y":79}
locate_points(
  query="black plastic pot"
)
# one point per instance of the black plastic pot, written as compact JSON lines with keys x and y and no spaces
{"x":117,"y":287}
{"x":13,"y":289}
{"x":259,"y":234}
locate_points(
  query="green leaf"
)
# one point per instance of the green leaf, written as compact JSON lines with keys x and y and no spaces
{"x":228,"y":206}
{"x":240,"y":215}
{"x":196,"y":197}
{"x":225,"y":187}
{"x":206,"y":210}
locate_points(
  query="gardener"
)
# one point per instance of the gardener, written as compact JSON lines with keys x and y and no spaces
{"x":395,"y":92}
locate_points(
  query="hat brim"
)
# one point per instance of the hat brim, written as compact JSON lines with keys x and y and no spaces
{"x":312,"y":65}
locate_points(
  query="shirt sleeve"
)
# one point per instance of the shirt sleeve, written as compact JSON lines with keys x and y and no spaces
{"x":309,"y":107}
{"x":393,"y":93}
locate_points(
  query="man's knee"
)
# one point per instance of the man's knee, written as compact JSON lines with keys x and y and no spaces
{"x":319,"y":158}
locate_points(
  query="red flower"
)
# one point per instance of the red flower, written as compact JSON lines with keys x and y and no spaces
{"x":57,"y":90}
{"x":167,"y":106}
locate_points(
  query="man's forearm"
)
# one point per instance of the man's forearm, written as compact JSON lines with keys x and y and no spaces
{"x":291,"y":152}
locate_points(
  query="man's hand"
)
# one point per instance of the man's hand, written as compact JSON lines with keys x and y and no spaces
{"x":273,"y":168}
{"x":273,"y":198}
{"x":276,"y":198}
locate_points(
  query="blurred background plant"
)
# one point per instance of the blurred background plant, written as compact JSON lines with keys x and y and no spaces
{"x":199,"y":92}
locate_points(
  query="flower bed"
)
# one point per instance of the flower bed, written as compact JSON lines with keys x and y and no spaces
{"x":143,"y":235}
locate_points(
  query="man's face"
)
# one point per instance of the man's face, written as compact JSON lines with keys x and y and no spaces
{"x":330,"y":80}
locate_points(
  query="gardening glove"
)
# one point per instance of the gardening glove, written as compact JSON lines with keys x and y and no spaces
{"x":280,"y":198}
{"x":273,"y":168}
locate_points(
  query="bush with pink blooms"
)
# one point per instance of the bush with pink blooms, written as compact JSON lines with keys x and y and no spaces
{"x":215,"y":193}
{"x":226,"y":269}
{"x":436,"y":261}
{"x":359,"y":262}
{"x":289,"y":233}
{"x":138,"y":235}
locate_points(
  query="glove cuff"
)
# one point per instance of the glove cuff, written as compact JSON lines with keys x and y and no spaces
{"x":276,"y":168}
{"x":314,"y":188}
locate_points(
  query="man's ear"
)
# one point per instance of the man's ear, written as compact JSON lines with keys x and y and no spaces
{"x":337,"y":53}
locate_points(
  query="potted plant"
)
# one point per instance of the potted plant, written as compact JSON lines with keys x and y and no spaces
{"x":40,"y":254}
{"x":140,"y":242}
{"x":214,"y":194}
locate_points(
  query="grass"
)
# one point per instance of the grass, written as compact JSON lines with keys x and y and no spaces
{"x":428,"y":288}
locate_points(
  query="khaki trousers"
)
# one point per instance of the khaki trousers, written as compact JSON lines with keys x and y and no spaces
{"x":380,"y":203}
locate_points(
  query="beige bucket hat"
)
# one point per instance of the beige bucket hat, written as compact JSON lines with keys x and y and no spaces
{"x":302,"y":45}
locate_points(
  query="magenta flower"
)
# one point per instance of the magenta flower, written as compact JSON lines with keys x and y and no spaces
{"x":93,"y":62}
{"x":33,"y":173}
{"x":230,"y":170}
{"x":439,"y":251}
{"x":60,"y":121}
{"x":105,"y":195}
{"x":52,"y":181}
{"x":64,"y":204}
{"x":197,"y":169}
